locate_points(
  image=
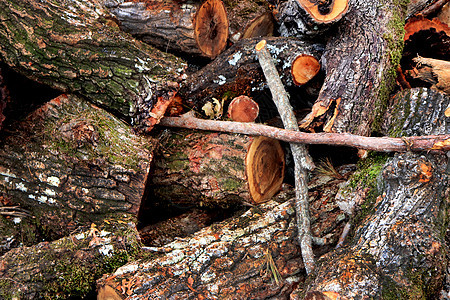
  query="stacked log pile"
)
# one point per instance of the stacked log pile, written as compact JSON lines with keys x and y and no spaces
{"x":85,"y":168}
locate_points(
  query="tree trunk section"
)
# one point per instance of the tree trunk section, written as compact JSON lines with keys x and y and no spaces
{"x":171,"y":26}
{"x":68,"y":268}
{"x":201,"y":169}
{"x":309,"y":17}
{"x":254,"y":254}
{"x":399,"y":250}
{"x":71,"y":162}
{"x":73,"y":46}
{"x":360,"y":61}
{"x":237,"y":72}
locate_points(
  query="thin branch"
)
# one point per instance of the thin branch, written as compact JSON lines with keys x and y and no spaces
{"x":302,"y":160}
{"x":380,"y":144}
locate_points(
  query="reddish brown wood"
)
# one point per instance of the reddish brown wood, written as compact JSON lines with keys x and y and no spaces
{"x":434,"y":71}
{"x":420,"y":23}
{"x":211,"y":28}
{"x":324,"y":11}
{"x":304,"y":68}
{"x":243,"y":109}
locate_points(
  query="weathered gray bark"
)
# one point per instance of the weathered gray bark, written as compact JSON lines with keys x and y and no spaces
{"x":399,"y":251}
{"x":68,"y":268}
{"x":360,"y":62}
{"x":71,"y":162}
{"x":73,"y":46}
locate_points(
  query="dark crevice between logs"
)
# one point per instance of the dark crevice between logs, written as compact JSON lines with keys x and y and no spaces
{"x":25,"y":95}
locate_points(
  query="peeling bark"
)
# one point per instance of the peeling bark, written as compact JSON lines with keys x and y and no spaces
{"x":68,"y":163}
{"x":227,"y":260}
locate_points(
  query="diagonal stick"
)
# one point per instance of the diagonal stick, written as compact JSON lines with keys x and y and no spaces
{"x":302,"y":160}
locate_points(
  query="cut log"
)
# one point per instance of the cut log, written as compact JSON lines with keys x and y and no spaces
{"x":360,"y":61}
{"x":211,"y":28}
{"x":309,"y":17}
{"x":434,"y":71}
{"x":70,"y":162}
{"x":185,"y":28}
{"x":243,"y":109}
{"x":68,"y":268}
{"x":252,"y":255}
{"x":237,"y":72}
{"x":73,"y":47}
{"x":199,"y":169}
{"x":249,"y":19}
{"x":304,"y":68}
{"x":398,"y":249}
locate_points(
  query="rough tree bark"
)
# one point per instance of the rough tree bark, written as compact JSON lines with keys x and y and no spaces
{"x":360,"y":62}
{"x":74,"y":47}
{"x":170,"y":25}
{"x":68,"y":268}
{"x":237,"y":72}
{"x":309,"y":17}
{"x":72,"y":162}
{"x":399,"y":249}
{"x":201,"y":169}
{"x":253,"y":254}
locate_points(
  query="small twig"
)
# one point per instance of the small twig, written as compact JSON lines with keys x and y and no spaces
{"x":380,"y":144}
{"x":302,"y":160}
{"x":14,"y":211}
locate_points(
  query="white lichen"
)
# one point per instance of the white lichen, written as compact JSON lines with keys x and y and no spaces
{"x":54,"y":181}
{"x":236,"y":57}
{"x":21,"y":187}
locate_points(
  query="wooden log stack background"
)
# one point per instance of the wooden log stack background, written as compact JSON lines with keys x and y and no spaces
{"x":97,"y":199}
